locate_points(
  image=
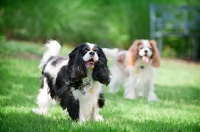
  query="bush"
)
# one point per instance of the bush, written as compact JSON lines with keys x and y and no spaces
{"x":109,"y":23}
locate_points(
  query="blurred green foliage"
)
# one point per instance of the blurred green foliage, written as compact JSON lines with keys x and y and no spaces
{"x":109,"y":23}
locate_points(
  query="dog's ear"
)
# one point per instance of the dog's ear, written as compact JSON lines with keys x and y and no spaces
{"x":133,"y":53}
{"x":101,"y":72}
{"x":156,"y":54}
{"x":121,"y":58}
{"x":76,"y":66}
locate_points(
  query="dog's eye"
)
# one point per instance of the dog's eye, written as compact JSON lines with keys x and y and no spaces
{"x":141,"y":47}
{"x":96,"y":51}
{"x":86,"y":50}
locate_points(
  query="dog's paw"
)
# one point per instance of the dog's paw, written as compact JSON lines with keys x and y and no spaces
{"x":112,"y":91}
{"x":40,"y":111}
{"x":153,"y":98}
{"x":128,"y":96}
{"x":99,"y":118}
{"x":80,"y":122}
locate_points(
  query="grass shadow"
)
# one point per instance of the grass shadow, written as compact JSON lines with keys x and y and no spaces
{"x":20,"y":121}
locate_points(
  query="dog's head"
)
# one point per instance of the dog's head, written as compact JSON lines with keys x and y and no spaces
{"x":145,"y":50}
{"x":85,"y":57}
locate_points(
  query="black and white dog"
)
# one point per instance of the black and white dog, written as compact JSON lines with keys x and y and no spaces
{"x":74,"y":81}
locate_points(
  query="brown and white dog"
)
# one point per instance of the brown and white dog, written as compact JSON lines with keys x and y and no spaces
{"x":136,"y":67}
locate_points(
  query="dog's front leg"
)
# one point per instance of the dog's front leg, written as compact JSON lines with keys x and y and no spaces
{"x":81,"y":118}
{"x":114,"y":85}
{"x":95,"y":113}
{"x":72,"y":106}
{"x":151,"y":96}
{"x":129,"y":89}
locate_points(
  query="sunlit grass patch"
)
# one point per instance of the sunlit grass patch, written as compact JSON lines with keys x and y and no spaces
{"x":177,"y":86}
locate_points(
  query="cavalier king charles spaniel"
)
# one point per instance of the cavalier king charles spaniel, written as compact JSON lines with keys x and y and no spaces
{"x":136,"y":67}
{"x":74,"y":81}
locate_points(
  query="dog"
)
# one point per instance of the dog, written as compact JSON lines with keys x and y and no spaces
{"x":136,"y":67}
{"x":75,"y":81}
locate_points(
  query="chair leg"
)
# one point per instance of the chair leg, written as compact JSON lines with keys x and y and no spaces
{"x":160,"y":44}
{"x":195,"y":54}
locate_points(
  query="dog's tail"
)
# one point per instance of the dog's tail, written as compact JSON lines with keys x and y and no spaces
{"x":110,"y":53}
{"x":53,"y":49}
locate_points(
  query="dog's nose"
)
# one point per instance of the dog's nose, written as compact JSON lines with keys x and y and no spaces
{"x":92,"y":53}
{"x":145,"y":51}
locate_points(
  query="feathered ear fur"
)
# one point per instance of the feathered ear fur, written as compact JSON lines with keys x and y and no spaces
{"x":101,"y":72}
{"x":121,"y":59}
{"x":156,"y":54}
{"x":133,"y":53}
{"x":76,"y":66}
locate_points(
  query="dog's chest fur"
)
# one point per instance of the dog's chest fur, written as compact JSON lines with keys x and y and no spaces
{"x":87,"y":94}
{"x":88,"y":90}
{"x":143,"y":72}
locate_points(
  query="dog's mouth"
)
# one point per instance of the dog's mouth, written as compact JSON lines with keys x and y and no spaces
{"x":145,"y":58}
{"x":90,"y":63}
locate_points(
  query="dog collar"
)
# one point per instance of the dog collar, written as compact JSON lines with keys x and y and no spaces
{"x":141,"y":67}
{"x":137,"y":71}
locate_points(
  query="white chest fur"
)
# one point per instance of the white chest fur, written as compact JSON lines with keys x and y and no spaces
{"x":87,"y":98}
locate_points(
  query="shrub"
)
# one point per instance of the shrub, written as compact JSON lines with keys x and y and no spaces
{"x":109,"y":23}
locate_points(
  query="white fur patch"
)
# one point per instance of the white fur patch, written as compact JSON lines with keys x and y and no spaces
{"x":44,"y":100}
{"x":88,"y":100}
{"x":87,"y":56}
{"x":53,"y":70}
{"x":53,"y":49}
{"x":145,"y":47}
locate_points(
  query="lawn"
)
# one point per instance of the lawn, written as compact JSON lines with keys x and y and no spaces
{"x":177,"y":86}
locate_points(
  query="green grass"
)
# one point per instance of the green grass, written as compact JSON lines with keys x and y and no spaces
{"x":177,"y":86}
